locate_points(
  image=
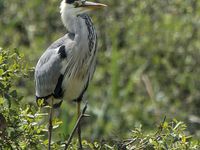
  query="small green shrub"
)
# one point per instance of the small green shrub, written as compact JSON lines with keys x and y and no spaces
{"x":20,"y":126}
{"x":170,"y":135}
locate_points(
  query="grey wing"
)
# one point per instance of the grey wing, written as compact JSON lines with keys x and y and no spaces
{"x":48,"y":71}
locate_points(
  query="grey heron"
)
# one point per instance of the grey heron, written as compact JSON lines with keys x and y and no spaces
{"x":67,"y":66}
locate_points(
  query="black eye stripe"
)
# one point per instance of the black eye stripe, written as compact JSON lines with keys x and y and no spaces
{"x":69,"y":1}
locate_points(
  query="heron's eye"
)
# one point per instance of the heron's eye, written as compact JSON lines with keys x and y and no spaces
{"x":78,"y":3}
{"x":69,"y":1}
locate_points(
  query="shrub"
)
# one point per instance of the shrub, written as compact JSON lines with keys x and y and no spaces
{"x":20,"y":128}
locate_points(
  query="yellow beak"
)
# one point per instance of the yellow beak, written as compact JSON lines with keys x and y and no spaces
{"x":92,"y":5}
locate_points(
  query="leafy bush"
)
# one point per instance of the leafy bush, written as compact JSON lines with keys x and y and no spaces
{"x":20,"y":128}
{"x":169,"y":135}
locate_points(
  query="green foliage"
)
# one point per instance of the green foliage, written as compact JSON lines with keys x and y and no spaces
{"x":23,"y":127}
{"x":169,"y":135}
{"x":148,"y":67}
{"x":19,"y":127}
{"x":10,"y":69}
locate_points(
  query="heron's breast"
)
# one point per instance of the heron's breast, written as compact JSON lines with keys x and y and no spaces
{"x":73,"y":87}
{"x":74,"y":83}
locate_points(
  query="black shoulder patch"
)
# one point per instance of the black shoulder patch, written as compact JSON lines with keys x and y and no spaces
{"x":58,"y":92}
{"x":62,"y":52}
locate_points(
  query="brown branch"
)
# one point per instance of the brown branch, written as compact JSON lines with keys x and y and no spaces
{"x":148,"y":86}
{"x":76,"y":126}
{"x":50,"y":127}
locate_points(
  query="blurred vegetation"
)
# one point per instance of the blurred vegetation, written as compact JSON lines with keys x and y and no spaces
{"x":148,"y":67}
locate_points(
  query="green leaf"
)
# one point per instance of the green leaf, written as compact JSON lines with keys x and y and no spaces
{"x":1,"y":100}
{"x":1,"y":72}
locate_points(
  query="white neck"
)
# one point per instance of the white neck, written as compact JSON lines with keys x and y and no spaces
{"x":70,"y":17}
{"x":81,"y":26}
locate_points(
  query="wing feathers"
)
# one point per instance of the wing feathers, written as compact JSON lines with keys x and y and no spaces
{"x":48,"y":71}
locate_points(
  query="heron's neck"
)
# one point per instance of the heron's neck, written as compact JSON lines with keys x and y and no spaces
{"x":71,"y":23}
{"x":83,"y":29}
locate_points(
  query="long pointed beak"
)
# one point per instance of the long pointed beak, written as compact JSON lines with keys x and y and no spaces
{"x":92,"y":5}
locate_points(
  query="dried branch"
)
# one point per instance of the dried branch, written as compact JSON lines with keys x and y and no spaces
{"x":76,"y":126}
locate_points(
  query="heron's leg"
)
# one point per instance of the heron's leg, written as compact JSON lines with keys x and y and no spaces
{"x":79,"y":126}
{"x":50,"y":126}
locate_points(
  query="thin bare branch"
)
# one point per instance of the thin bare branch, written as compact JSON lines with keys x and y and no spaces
{"x":76,"y":126}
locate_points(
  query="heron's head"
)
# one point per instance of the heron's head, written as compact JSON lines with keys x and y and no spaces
{"x":77,"y":7}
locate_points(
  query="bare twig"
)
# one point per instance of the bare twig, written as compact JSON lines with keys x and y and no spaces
{"x":148,"y":86}
{"x":76,"y":126}
{"x":50,"y":125}
{"x":161,"y":126}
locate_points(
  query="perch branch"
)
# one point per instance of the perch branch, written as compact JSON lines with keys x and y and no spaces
{"x":76,"y":126}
